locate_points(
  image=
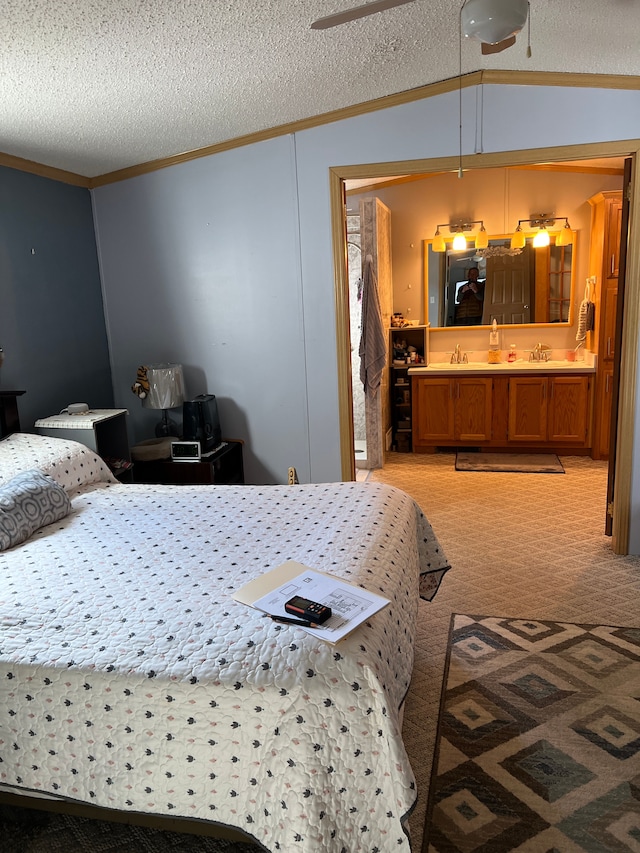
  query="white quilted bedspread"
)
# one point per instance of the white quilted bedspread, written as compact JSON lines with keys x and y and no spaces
{"x":130,"y":679}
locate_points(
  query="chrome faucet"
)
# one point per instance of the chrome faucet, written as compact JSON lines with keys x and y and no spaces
{"x":458,"y":357}
{"x":539,"y":353}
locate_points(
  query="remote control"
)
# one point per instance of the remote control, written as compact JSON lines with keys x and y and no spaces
{"x":303,"y":608}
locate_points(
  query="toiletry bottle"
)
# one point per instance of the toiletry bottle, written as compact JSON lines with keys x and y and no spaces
{"x":494,"y":355}
{"x":512,"y":353}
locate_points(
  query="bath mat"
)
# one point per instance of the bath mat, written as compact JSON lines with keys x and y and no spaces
{"x":525,"y":463}
{"x":538,"y":742}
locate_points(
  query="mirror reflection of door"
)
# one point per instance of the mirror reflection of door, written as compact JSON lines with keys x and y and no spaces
{"x":508,"y":292}
{"x":456,"y":274}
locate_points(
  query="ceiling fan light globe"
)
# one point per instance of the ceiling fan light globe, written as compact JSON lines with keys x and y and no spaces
{"x":492,"y":21}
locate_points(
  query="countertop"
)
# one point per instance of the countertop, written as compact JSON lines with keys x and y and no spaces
{"x":520,"y":366}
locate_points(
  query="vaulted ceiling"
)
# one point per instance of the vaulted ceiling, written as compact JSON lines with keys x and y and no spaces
{"x":92,"y":87}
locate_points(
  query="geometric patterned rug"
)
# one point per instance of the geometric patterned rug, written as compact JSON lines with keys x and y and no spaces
{"x":538,"y":740}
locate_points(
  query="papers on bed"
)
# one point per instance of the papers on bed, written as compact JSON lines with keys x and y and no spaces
{"x":350,"y":605}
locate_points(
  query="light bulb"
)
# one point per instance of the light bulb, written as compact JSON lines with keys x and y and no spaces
{"x":541,"y":239}
{"x":459,"y":242}
{"x":565,"y":237}
{"x":438,"y":244}
{"x":518,"y":241}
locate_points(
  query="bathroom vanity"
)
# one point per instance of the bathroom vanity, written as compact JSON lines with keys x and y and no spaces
{"x":523,"y":405}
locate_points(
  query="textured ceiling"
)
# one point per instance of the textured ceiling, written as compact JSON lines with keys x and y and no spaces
{"x":92,"y":86}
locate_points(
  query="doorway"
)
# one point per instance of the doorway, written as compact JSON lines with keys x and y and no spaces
{"x":419,"y":169}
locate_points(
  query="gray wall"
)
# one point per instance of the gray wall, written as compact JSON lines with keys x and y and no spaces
{"x":52,"y":325}
{"x":201,"y":265}
{"x":225,"y":263}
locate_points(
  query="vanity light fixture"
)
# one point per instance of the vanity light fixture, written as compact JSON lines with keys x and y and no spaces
{"x":541,"y":238}
{"x":438,"y":244}
{"x":459,"y":240}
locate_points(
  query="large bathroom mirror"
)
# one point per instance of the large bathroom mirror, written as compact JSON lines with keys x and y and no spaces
{"x":514,"y":286}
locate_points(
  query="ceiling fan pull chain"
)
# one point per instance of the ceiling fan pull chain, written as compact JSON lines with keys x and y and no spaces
{"x":529,"y":31}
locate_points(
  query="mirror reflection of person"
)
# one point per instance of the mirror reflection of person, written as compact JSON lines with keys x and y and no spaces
{"x":469,"y":300}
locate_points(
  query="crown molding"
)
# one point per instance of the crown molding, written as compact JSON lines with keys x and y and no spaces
{"x":33,"y":168}
{"x":475,"y":78}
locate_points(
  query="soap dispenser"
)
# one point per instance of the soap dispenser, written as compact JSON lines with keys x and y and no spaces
{"x":494,"y":356}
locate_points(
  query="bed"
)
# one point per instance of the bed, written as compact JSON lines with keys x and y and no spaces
{"x":132,"y":681}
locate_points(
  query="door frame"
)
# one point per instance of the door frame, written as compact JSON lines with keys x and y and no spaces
{"x":631,"y":325}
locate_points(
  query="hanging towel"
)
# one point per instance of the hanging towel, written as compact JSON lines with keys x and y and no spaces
{"x":591,"y":316}
{"x":373,"y":344}
{"x":581,"y":334}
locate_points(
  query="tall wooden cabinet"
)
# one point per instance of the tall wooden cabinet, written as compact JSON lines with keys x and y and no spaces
{"x":604,"y":264}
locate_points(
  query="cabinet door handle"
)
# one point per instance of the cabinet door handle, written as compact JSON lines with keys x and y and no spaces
{"x":613,"y":264}
{"x":606,"y":383}
{"x":609,"y":347}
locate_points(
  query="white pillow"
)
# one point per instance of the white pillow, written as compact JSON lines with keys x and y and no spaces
{"x":69,"y":463}
{"x":29,"y":501}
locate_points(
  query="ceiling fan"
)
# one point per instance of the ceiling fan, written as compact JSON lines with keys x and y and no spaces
{"x":495,"y":23}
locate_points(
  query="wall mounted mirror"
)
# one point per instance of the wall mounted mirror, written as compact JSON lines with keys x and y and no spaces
{"x":515,"y":286}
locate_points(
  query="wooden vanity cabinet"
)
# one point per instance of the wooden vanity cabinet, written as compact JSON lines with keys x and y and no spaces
{"x":569,"y":410}
{"x":451,"y":410}
{"x":541,"y":412}
{"x":550,"y":409}
{"x":527,"y":408}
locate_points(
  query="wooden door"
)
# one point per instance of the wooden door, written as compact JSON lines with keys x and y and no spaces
{"x":473,"y":408}
{"x":609,"y":314}
{"x":615,"y":381}
{"x":507,"y":292}
{"x":433,"y":410}
{"x":528,"y":408}
{"x":602,"y":418}
{"x":613,"y":228}
{"x":568,"y":416}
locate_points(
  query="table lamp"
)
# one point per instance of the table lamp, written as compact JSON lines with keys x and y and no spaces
{"x":166,"y":391}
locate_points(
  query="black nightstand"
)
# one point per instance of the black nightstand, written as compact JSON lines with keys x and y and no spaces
{"x":222,"y":467}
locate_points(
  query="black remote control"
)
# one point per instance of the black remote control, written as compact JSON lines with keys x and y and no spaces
{"x":303,"y":608}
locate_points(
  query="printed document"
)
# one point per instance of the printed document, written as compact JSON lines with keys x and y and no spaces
{"x":350,"y":605}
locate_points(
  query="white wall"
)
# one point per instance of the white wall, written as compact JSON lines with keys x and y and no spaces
{"x":225,"y":262}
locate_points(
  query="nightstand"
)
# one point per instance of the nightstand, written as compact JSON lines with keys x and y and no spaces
{"x":223,"y":466}
{"x":103,"y":430}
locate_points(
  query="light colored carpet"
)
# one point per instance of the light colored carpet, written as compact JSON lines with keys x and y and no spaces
{"x":539,"y":741}
{"x":528,"y":547}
